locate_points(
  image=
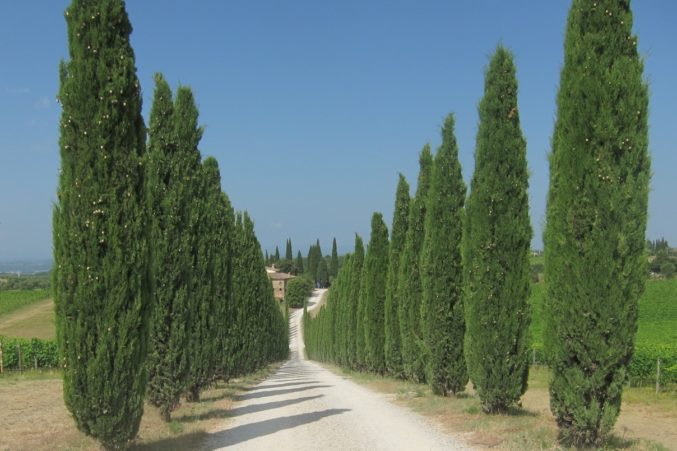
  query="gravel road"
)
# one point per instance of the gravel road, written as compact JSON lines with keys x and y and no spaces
{"x":305,"y":407}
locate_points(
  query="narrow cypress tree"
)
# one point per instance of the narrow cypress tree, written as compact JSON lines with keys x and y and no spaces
{"x":373,"y":294}
{"x":277,"y":254}
{"x":334,"y":264}
{"x":220,"y":225}
{"x":596,"y":219}
{"x":101,"y":254}
{"x":393,"y":351}
{"x":409,"y":283}
{"x":442,"y":272}
{"x":288,"y":254}
{"x":202,"y":217}
{"x":323,"y":273}
{"x":352,"y":309}
{"x":171,"y":199}
{"x":497,"y":242}
{"x":299,"y":263}
{"x":342,"y":326}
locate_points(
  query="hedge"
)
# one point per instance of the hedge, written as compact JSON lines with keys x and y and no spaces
{"x":35,"y":353}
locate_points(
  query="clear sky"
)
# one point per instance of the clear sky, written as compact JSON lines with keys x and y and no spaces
{"x":313,"y":107}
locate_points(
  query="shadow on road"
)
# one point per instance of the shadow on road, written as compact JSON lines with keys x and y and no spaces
{"x":238,"y":434}
{"x":266,"y":393}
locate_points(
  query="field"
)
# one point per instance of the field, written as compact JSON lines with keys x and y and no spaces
{"x":657,"y":313}
{"x":11,"y":300}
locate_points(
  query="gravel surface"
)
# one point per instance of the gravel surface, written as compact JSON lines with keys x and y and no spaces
{"x":305,"y":407}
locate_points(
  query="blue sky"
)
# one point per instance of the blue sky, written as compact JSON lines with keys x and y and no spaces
{"x":313,"y":107}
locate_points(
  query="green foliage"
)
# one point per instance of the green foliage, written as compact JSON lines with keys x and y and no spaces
{"x":393,"y":351}
{"x":596,"y":220}
{"x":170,"y":182}
{"x":497,"y":245}
{"x":288,"y":254}
{"x":353,"y":302}
{"x":442,"y":313}
{"x":322,"y":277}
{"x":334,"y":263}
{"x":35,"y":353}
{"x":409,"y":283}
{"x":372,"y":295}
{"x":298,"y":290}
{"x":299,"y":263}
{"x":101,"y":277}
{"x":11,"y":282}
{"x":15,"y":299}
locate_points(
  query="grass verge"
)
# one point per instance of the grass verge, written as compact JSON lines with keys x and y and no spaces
{"x":646,"y":422}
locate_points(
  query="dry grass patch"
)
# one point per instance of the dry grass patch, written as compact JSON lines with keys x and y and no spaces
{"x":36,"y":320}
{"x":33,"y":415}
{"x":647,"y":421}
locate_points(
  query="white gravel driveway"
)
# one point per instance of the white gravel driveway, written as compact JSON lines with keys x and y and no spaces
{"x":305,"y":407}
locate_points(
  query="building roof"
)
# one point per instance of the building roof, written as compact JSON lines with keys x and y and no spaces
{"x":280,"y":276}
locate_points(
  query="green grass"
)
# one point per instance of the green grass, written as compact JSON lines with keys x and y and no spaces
{"x":12,"y":300}
{"x":657,"y":313}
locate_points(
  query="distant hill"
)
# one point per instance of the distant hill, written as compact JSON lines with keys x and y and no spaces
{"x":25,"y":266}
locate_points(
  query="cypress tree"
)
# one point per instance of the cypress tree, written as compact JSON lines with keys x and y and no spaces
{"x":442,"y":272}
{"x":334,"y":264}
{"x":497,"y":243}
{"x":101,"y":278}
{"x":393,"y":352}
{"x":342,"y":326}
{"x":373,"y":294}
{"x":288,"y":254}
{"x":202,"y":217}
{"x":299,"y":263}
{"x":596,"y":219}
{"x":353,"y":305}
{"x":277,"y":254}
{"x":171,"y":199}
{"x":323,"y":273}
{"x":409,"y":283}
{"x":220,"y":239}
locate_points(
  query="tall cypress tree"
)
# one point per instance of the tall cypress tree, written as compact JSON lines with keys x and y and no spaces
{"x":323,"y":273}
{"x":373,"y":294}
{"x":442,"y":272}
{"x":596,"y":219}
{"x":497,"y":243}
{"x":334,"y":264}
{"x":171,"y":199}
{"x":393,"y":351}
{"x":409,"y":283}
{"x":299,"y":263}
{"x":277,"y":254}
{"x":352,"y":309}
{"x":202,"y":217}
{"x":101,"y":273}
{"x":288,"y":254}
{"x":220,"y":238}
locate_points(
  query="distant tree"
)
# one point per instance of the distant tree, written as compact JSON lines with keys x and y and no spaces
{"x":668,"y":269}
{"x":595,"y":263}
{"x":288,"y":255}
{"x":442,"y":272}
{"x":334,"y":264}
{"x":323,"y":273}
{"x":277,"y":254}
{"x":298,"y":290}
{"x":497,"y":246}
{"x":101,"y":278}
{"x":267,"y":258}
{"x":393,"y":351}
{"x":409,"y":284}
{"x":299,"y":263}
{"x":373,"y":294}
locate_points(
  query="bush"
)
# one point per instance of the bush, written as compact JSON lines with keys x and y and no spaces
{"x":298,"y":289}
{"x":35,"y":353}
